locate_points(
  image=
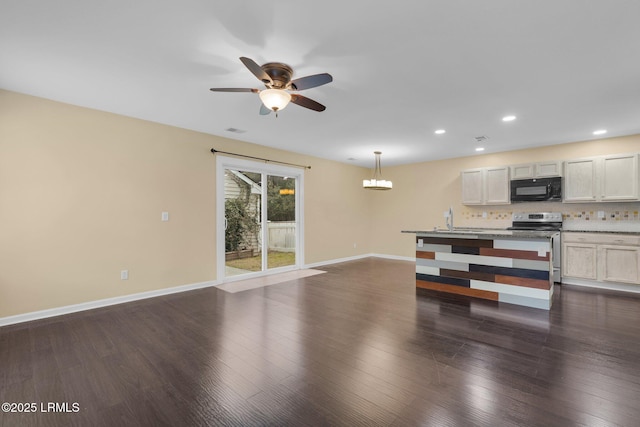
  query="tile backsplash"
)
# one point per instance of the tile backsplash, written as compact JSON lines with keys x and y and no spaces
{"x":582,"y":216}
{"x":629,"y":215}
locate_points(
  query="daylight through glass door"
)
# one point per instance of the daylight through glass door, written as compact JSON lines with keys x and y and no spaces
{"x":281,"y":221}
{"x":259,"y":221}
{"x":242,"y":222}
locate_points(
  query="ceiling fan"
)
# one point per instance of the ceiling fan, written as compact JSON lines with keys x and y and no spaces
{"x":276,"y":76}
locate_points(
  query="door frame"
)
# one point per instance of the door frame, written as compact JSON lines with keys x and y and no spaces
{"x":224,"y":162}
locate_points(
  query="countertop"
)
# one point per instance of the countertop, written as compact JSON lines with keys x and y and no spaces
{"x":613,"y":227}
{"x":632,"y":233}
{"x":477,"y":233}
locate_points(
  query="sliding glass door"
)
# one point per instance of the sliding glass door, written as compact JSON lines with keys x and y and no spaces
{"x":259,"y":208}
{"x":242,"y":221}
{"x":281,"y":221}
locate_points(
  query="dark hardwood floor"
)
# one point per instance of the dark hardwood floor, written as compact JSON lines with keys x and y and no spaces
{"x":357,"y":346}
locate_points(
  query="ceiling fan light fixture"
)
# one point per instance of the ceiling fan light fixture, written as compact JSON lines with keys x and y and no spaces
{"x":377,"y":183}
{"x":275,"y":99}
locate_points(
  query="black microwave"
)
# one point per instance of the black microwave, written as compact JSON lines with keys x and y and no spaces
{"x":537,"y":190}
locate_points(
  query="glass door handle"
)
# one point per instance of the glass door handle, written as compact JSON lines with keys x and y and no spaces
{"x":225,"y":224}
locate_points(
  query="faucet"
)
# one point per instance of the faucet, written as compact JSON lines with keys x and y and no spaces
{"x":449,"y":219}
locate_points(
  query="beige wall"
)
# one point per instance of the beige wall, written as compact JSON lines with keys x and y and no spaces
{"x":82,"y":191}
{"x":423,"y":191}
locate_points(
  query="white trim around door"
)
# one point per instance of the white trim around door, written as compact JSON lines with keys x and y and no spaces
{"x":224,"y":162}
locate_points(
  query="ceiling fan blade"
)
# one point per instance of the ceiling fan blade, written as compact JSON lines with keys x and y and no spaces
{"x":303,"y":101}
{"x":256,"y":70}
{"x":233,"y":89}
{"x":311,"y":81}
{"x":264,"y":110}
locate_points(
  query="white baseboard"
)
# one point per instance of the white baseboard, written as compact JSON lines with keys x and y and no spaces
{"x":396,"y":257}
{"x":601,"y":285}
{"x":68,"y":309}
{"x":59,"y":311}
{"x":337,"y":261}
{"x":357,"y":257}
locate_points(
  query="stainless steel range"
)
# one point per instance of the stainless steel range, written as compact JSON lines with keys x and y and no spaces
{"x":542,"y":221}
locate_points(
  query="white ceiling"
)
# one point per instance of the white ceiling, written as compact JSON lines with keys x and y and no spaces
{"x":401,"y":69}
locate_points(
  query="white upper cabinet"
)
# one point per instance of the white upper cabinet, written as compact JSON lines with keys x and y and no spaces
{"x":548,"y":169}
{"x":496,"y":186}
{"x":486,"y":186}
{"x":525,"y":171}
{"x":580,"y":180}
{"x":619,"y":178}
{"x":472,"y":193}
{"x":612,"y":178}
{"x":536,"y":170}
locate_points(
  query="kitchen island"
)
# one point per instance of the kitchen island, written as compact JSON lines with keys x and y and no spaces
{"x":512,"y":266}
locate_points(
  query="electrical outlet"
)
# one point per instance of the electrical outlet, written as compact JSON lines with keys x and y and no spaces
{"x":124,"y":275}
{"x":542,"y":252}
{"x":420,"y":243}
{"x":446,"y":214}
{"x":600,"y":214}
{"x":484,"y":214}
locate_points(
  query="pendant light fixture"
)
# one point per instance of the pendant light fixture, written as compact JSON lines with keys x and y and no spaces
{"x":377,"y":183}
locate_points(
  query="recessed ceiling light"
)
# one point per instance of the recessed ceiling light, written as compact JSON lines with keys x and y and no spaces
{"x":600,"y":132}
{"x":440,"y":131}
{"x":508,"y":118}
{"x":480,"y":149}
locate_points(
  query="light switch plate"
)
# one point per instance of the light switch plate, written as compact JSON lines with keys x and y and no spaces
{"x":165,"y":216}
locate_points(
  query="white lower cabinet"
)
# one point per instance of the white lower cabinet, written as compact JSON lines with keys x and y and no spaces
{"x":619,"y":263}
{"x":579,"y":260}
{"x":602,"y":257}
